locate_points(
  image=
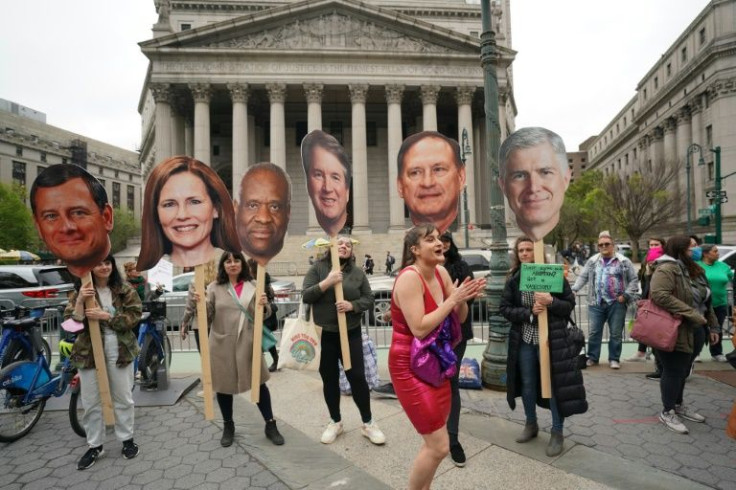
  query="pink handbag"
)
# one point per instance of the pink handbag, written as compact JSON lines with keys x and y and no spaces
{"x":656,"y":327}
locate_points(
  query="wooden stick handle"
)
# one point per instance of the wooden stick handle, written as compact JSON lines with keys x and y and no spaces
{"x":542,"y":321}
{"x":342,"y":322}
{"x":204,"y":342}
{"x":98,"y":352}
{"x":255,"y":380}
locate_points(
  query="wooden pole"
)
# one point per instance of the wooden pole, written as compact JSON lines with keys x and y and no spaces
{"x":255,"y":380}
{"x":204,"y":342}
{"x":544,"y":369}
{"x":98,"y":352}
{"x":342,"y":322}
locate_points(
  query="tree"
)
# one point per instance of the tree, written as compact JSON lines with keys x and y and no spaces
{"x":641,"y":201}
{"x":583,"y":212}
{"x":126,"y":225}
{"x":16,"y":221}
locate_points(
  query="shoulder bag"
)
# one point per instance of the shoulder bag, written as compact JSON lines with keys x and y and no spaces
{"x":656,"y":327}
{"x":432,"y":359}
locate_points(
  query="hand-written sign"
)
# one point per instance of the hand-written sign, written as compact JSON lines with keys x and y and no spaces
{"x":542,"y":277}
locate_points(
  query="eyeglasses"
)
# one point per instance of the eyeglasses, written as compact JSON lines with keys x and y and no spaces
{"x":608,"y":244}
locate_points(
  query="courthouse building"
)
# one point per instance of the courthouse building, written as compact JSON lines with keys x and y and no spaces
{"x":234,"y":83}
{"x":688,"y":96}
{"x":28,"y":145}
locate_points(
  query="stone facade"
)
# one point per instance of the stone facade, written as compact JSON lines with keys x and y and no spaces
{"x":28,"y":145}
{"x":234,"y":83}
{"x":688,"y":96}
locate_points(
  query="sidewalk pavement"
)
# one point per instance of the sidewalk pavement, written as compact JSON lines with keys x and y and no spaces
{"x":617,"y":444}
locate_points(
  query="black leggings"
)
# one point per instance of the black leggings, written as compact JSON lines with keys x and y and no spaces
{"x":225,"y":401}
{"x":453,"y":421}
{"x":330,"y":372}
{"x":675,"y":369}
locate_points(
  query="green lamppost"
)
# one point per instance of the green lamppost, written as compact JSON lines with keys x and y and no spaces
{"x":465,"y":151}
{"x":718,"y":196}
{"x":494,"y":357}
{"x":690,"y":150}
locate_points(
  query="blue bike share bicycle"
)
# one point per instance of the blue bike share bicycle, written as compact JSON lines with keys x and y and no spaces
{"x":26,"y":385}
{"x":155,"y":355}
{"x":15,"y":343}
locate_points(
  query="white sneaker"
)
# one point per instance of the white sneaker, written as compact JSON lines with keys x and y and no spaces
{"x":698,"y":359}
{"x":686,"y":414}
{"x":333,"y":430}
{"x":638,"y":357}
{"x":720,"y":358}
{"x":372,"y":432}
{"x":672,"y":422}
{"x":615,"y":365}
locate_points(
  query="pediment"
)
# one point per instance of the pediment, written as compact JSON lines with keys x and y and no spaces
{"x":323,"y":25}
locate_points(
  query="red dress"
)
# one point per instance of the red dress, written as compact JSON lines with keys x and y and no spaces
{"x":426,"y":406}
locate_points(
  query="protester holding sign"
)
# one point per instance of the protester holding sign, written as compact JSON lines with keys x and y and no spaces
{"x":319,"y":291}
{"x":118,"y":311}
{"x":521,"y":308}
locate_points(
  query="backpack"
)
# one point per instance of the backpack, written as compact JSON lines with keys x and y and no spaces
{"x":391,"y":260}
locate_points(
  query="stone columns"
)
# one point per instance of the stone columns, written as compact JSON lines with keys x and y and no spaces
{"x":358,"y":93}
{"x":161,"y":95}
{"x":429,"y":107}
{"x":313,"y":93}
{"x":656,"y":146}
{"x":277,"y":96}
{"x":670,"y":148}
{"x":239,"y":96}
{"x":188,"y":135}
{"x":464,"y":97}
{"x":396,"y":204}
{"x":699,"y":173}
{"x":683,"y":141}
{"x":178,"y":116}
{"x":202,"y":93}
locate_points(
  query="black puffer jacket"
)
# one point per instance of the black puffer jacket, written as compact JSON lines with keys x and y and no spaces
{"x":567,"y":379}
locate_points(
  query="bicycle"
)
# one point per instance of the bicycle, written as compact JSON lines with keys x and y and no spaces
{"x":155,"y":344}
{"x":26,"y":385}
{"x":15,"y":343}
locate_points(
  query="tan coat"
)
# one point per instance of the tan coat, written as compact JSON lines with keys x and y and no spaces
{"x":231,"y":350}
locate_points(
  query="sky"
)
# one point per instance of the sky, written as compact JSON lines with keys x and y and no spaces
{"x":578,"y":61}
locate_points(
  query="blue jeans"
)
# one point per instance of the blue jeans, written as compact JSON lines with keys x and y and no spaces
{"x":529,"y":370}
{"x":615,"y":315}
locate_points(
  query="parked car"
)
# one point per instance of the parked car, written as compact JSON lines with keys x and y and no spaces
{"x":727,"y":254}
{"x":285,"y":292}
{"x":34,"y":285}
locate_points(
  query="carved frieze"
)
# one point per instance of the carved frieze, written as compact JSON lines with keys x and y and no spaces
{"x":721,"y":88}
{"x":332,"y":30}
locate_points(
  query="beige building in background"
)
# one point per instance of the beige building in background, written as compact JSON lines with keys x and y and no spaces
{"x":688,"y":96}
{"x":28,"y":145}
{"x":234,"y":83}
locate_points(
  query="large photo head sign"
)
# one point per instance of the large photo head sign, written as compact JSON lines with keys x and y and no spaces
{"x":187,"y":213}
{"x":72,"y":216}
{"x":431,"y":176}
{"x":328,"y":172}
{"x":263,"y":210}
{"x":534,"y":176}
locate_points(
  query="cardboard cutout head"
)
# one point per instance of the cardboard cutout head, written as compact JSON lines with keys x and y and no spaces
{"x":72,"y":216}
{"x":534,"y":176}
{"x":327,"y":170}
{"x":263,"y":211}
{"x":431,"y":176}
{"x":187,"y":212}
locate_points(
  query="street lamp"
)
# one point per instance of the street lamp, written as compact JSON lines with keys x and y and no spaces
{"x":690,"y":150}
{"x":465,"y":150}
{"x":718,"y":196}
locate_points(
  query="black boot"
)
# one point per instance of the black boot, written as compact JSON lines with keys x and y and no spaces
{"x":273,"y":434}
{"x":555,"y":445}
{"x":275,"y":364}
{"x":530,"y":432}
{"x":228,"y":433}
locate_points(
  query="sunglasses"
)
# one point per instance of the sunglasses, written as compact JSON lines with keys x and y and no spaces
{"x":608,"y":244}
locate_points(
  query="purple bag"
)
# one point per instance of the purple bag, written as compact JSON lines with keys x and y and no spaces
{"x":432,"y":359}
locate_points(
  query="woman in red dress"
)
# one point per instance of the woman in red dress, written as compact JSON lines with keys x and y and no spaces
{"x":423,"y":297}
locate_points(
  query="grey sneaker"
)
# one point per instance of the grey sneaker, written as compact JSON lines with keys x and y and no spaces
{"x":682,"y":411}
{"x":615,"y":365}
{"x":672,"y":422}
{"x":720,"y":358}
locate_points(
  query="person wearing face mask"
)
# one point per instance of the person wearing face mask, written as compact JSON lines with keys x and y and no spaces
{"x":319,"y":291}
{"x":696,"y":253}
{"x":656,"y":250}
